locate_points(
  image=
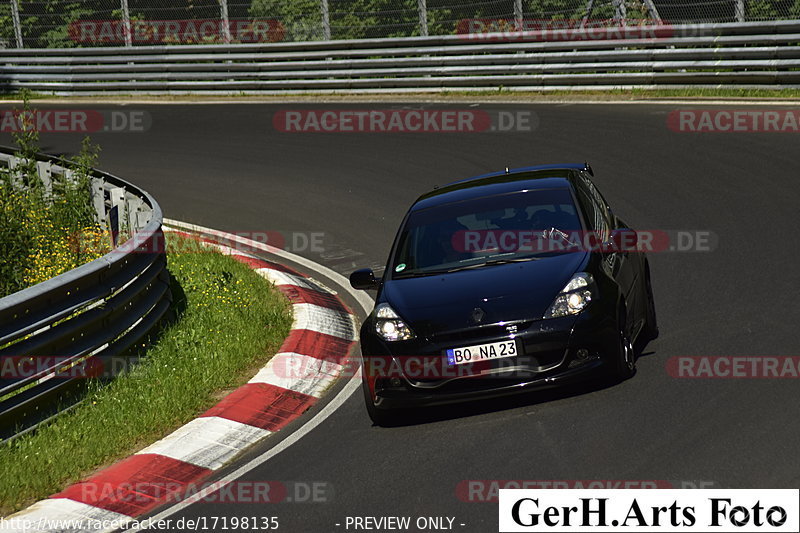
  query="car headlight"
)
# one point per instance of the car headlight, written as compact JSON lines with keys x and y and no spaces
{"x":390,"y":326}
{"x":573,"y":298}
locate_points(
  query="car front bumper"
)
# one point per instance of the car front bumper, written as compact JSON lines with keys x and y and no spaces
{"x":553,"y":352}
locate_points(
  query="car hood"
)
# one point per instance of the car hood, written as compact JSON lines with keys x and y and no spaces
{"x":504,"y":293}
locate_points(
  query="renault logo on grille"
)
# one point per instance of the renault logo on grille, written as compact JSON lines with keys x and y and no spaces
{"x":478,"y":314}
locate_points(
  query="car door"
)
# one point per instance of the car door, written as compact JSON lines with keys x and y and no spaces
{"x":619,"y":264}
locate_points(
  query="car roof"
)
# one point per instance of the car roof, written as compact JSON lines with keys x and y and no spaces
{"x":504,"y":181}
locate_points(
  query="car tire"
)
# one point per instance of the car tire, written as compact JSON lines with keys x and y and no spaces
{"x":651,"y":323}
{"x":379,"y":417}
{"x":625,"y":358}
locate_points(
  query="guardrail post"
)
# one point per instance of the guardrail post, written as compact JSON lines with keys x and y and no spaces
{"x":132,"y":207}
{"x":326,"y":20}
{"x":99,"y":201}
{"x":518,"y":14}
{"x":45,"y":171}
{"x":740,"y":11}
{"x":17,"y":25}
{"x":589,"y":9}
{"x":620,"y":11}
{"x":226,"y":21}
{"x":69,"y":176}
{"x":651,"y":7}
{"x":16,"y":177}
{"x":126,"y":23}
{"x":422,"y":10}
{"x":116,"y":214}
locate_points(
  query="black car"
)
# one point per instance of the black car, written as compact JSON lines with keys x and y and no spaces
{"x":501,"y":283}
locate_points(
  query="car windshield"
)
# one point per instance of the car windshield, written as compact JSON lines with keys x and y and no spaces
{"x":516,"y":227}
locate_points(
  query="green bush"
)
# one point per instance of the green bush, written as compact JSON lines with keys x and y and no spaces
{"x":45,"y":233}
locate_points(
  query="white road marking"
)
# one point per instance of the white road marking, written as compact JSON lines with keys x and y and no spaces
{"x":324,"y":320}
{"x":299,"y":373}
{"x":209,"y":441}
{"x":284,"y":278}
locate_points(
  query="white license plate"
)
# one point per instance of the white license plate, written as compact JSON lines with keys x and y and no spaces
{"x":481,"y":352}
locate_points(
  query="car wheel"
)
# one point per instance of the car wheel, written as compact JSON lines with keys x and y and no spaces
{"x":625,"y":359}
{"x":651,"y":324}
{"x":379,"y":417}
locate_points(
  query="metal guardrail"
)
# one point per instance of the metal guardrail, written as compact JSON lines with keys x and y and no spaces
{"x":87,"y":318}
{"x":735,"y":55}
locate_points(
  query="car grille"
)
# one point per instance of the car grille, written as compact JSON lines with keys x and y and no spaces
{"x":490,"y":331}
{"x":524,"y":369}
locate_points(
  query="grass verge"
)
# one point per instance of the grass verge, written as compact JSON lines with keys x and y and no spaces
{"x":231,"y":321}
{"x":502,"y":93}
{"x":637,"y":94}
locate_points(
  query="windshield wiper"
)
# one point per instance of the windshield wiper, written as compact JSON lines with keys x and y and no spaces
{"x":493,"y":262}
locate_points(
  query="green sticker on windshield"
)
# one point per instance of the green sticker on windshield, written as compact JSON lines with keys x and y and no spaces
{"x":400,"y":267}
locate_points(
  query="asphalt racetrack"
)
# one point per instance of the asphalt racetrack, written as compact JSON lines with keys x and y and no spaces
{"x":228,"y":167}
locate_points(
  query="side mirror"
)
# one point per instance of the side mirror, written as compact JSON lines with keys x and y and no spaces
{"x":623,"y":240}
{"x":363,"y":279}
